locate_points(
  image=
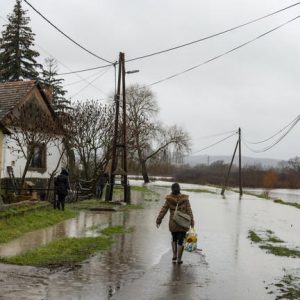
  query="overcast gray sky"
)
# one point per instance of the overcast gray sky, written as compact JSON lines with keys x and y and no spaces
{"x":256,"y":87}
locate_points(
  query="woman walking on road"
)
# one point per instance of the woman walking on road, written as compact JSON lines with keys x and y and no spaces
{"x":181,"y":201}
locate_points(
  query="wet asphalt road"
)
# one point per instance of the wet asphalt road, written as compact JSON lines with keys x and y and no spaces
{"x":138,"y":266}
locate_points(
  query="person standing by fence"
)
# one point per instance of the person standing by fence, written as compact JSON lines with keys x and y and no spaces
{"x":62,"y":186}
{"x":102,"y":181}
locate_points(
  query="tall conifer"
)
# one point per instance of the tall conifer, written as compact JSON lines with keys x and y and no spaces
{"x":17,"y":58}
{"x":60,"y":103}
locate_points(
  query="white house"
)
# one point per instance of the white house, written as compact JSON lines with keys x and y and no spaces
{"x":14,"y":96}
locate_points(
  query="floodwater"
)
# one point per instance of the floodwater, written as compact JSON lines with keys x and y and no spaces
{"x":85,"y":225}
{"x":138,"y":264}
{"x":288,"y":195}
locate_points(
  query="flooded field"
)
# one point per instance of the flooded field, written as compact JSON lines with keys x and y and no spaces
{"x":138,"y":265}
{"x":288,"y":195}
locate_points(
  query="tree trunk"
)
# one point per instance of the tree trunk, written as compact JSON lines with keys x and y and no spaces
{"x":52,"y":175}
{"x":29,"y":157}
{"x":144,"y":171}
{"x":70,"y":157}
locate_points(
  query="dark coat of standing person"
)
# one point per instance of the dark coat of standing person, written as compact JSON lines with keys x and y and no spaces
{"x":62,"y":186}
{"x":103,"y":179}
{"x":178,"y":232}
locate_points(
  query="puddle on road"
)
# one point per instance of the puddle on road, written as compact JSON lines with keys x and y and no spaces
{"x":76,"y":227}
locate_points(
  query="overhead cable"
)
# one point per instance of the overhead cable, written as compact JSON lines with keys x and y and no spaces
{"x":82,"y":79}
{"x":192,"y":42}
{"x":214,"y":35}
{"x":67,"y":36}
{"x":223,"y":54}
{"x":85,"y":70}
{"x":275,"y":134}
{"x":275,"y":143}
{"x":214,"y":135}
{"x":216,"y":143}
{"x":100,"y":75}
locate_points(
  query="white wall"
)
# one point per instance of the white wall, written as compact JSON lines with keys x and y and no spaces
{"x":8,"y":157}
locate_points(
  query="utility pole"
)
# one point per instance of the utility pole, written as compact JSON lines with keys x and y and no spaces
{"x":119,"y":139}
{"x":124,"y":160}
{"x":240,"y":164}
{"x":238,"y":144}
{"x":229,"y":169}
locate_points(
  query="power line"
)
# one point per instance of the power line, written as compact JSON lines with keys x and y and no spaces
{"x":192,"y":42}
{"x":223,"y":54}
{"x":82,"y":79}
{"x":215,"y":135}
{"x":275,"y":134}
{"x":100,"y":75}
{"x":65,"y":35}
{"x":276,"y":142}
{"x":64,"y":65}
{"x":216,"y":143}
{"x":214,"y":35}
{"x":86,"y":70}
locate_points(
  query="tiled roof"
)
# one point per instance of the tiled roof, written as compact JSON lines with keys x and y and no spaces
{"x":11,"y":93}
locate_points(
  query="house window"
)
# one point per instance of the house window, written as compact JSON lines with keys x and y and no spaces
{"x":38,"y":160}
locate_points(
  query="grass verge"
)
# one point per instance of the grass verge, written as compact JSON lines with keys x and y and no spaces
{"x":297,"y":205}
{"x":199,"y":191}
{"x":289,"y":287}
{"x":62,"y":252}
{"x":280,"y":250}
{"x":88,"y":204}
{"x":14,"y":227}
{"x":66,"y":251}
{"x":268,"y":241}
{"x":22,"y":209}
{"x":254,"y":237}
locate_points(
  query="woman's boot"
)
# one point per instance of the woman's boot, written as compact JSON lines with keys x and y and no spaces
{"x":174,"y":249}
{"x":179,"y":254}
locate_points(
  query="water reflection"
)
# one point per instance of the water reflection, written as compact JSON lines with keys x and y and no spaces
{"x":77,"y":227}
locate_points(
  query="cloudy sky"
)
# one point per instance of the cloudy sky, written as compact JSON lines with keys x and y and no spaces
{"x":256,"y":87}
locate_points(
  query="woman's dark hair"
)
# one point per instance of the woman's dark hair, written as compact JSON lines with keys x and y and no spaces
{"x":175,"y":188}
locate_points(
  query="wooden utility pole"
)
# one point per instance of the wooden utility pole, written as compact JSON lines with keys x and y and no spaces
{"x":119,"y":139}
{"x":240,"y":164}
{"x":229,"y":169}
{"x":124,"y":158}
{"x":238,"y":144}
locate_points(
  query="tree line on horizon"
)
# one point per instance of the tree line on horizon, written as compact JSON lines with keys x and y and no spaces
{"x":255,"y":176}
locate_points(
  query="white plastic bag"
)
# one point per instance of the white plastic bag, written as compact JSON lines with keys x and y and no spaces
{"x":190,"y":242}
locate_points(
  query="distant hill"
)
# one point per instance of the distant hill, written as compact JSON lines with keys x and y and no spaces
{"x":246,"y":160}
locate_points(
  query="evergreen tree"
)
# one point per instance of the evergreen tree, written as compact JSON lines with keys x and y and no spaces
{"x":60,"y":103}
{"x":17,"y":59}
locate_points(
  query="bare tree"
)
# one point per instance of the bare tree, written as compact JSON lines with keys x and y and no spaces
{"x":148,"y":138}
{"x":92,"y":125}
{"x":294,"y":163}
{"x":32,"y":129}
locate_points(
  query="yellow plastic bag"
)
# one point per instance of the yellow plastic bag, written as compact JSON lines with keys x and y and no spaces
{"x":190,"y":242}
